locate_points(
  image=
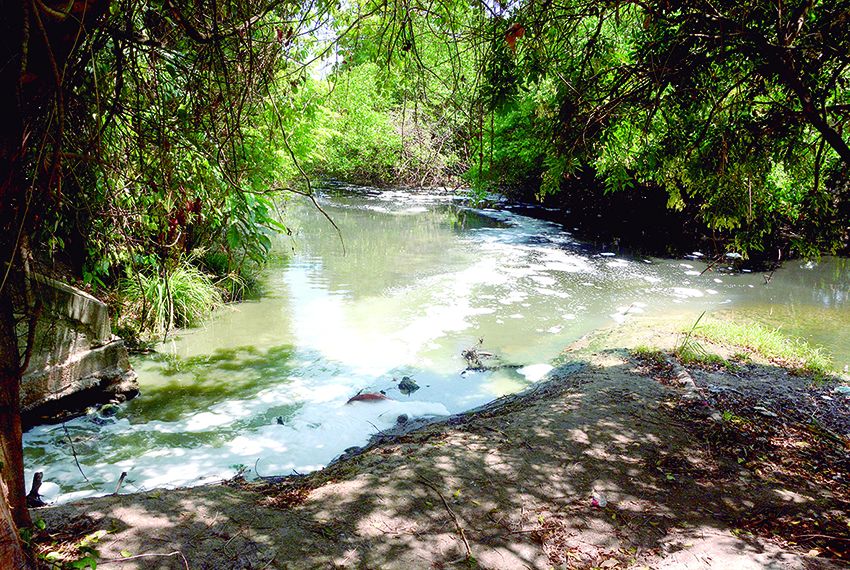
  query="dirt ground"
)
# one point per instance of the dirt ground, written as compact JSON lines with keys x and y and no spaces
{"x":611,"y":463}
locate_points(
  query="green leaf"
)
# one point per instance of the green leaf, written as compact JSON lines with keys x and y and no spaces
{"x":234,"y":238}
{"x":265,"y":243}
{"x":87,"y":562}
{"x":274,"y":224}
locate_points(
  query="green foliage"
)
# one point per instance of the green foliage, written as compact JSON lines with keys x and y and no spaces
{"x":517,"y":151}
{"x":695,"y":354}
{"x":690,"y":351}
{"x":81,"y":554}
{"x":653,"y":355}
{"x":641,"y":95}
{"x":730,"y":417}
{"x":236,"y":284}
{"x":182,"y":296}
{"x":363,"y":142}
{"x":687,"y":343}
{"x":177,"y":150}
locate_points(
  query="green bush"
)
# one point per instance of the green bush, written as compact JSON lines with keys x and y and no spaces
{"x":159,"y":302}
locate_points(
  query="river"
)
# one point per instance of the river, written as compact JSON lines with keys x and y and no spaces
{"x":415,"y":280}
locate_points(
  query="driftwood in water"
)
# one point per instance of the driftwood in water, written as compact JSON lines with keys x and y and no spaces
{"x":475,"y":358}
{"x":120,"y":482}
{"x":33,"y":498}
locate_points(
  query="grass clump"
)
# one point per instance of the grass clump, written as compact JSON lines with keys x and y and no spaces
{"x":236,"y":282}
{"x":690,"y":351}
{"x":180,"y":297}
{"x":702,"y":358}
{"x":795,"y":354}
{"x":648,"y":354}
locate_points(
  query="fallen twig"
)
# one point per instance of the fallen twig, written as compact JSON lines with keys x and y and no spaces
{"x":124,"y":559}
{"x":459,"y":528}
{"x":821,"y":536}
{"x":76,"y":460}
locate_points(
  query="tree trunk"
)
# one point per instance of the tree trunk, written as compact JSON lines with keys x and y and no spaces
{"x":11,"y":550}
{"x":13,"y":508}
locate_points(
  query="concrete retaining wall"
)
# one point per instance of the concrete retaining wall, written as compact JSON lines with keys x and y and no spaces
{"x":76,"y":361}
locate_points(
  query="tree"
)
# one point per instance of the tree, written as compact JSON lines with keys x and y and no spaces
{"x":114,"y":113}
{"x":36,"y":42}
{"x":742,"y":106}
{"x":736,"y":109}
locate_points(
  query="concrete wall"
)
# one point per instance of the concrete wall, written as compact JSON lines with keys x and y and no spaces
{"x":76,"y":361}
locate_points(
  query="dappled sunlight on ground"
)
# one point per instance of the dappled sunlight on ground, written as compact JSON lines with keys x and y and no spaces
{"x":597,"y":468}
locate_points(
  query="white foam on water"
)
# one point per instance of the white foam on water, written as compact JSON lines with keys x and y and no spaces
{"x":545,"y":280}
{"x":309,"y":441}
{"x":685,"y":292}
{"x":535,"y":372}
{"x":347,"y":340}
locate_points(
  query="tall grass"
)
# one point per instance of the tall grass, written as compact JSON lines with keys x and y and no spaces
{"x":160,"y":302}
{"x":234,"y":281}
{"x":793,"y":353}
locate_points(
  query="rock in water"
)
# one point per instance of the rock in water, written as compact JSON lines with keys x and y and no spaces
{"x":109,"y":410}
{"x":407,"y":386}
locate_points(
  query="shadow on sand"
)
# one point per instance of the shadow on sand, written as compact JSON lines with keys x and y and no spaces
{"x":594,"y":469}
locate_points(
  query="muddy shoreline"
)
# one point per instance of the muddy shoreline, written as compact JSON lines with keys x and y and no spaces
{"x":607,"y":464}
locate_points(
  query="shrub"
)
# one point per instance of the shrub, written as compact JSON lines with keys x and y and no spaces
{"x":160,"y":302}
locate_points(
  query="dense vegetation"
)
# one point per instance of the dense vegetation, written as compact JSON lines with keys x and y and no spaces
{"x":148,"y":145}
{"x":736,"y":111}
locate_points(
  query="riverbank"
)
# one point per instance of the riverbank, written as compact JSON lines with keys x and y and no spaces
{"x":614,"y":462}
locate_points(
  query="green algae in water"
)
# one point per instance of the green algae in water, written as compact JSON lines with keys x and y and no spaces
{"x":180,"y":386}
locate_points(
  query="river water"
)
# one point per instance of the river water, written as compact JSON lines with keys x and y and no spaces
{"x":264,"y":384}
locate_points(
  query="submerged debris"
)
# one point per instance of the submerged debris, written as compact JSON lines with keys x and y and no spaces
{"x":407,"y":385}
{"x":367,"y":397}
{"x":474,"y":356}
